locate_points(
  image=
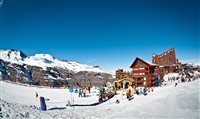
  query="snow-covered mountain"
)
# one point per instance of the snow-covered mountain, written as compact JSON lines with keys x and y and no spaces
{"x":45,"y":70}
{"x":44,"y":61}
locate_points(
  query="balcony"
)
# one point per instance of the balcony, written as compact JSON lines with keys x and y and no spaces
{"x":139,"y":81}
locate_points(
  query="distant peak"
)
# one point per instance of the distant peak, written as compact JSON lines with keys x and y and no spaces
{"x":47,"y":56}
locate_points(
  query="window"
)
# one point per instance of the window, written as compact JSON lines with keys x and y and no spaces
{"x":135,"y":73}
{"x":144,"y":78}
{"x":141,"y":68}
{"x":141,"y":73}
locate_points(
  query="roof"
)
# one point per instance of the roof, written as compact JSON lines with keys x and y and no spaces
{"x":144,"y":61}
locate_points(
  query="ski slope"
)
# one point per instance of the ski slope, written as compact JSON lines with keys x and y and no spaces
{"x":181,"y":102}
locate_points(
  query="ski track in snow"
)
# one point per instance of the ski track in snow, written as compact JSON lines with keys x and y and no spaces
{"x":169,"y":102}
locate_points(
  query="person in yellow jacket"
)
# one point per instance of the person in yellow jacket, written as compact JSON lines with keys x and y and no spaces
{"x":130,"y":88}
{"x":129,"y":92}
{"x":122,"y":92}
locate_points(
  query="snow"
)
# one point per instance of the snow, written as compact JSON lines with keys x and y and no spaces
{"x":44,"y":61}
{"x":170,"y":76}
{"x":10,"y":56}
{"x":181,"y":102}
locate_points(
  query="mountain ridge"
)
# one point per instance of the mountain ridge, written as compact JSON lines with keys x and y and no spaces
{"x":45,"y":60}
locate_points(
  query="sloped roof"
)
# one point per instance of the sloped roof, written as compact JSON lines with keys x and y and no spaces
{"x":144,"y":61}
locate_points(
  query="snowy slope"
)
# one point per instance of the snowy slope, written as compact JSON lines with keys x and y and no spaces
{"x":169,"y":102}
{"x":44,"y":61}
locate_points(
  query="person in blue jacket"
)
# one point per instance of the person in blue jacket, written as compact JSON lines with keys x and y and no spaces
{"x":79,"y":92}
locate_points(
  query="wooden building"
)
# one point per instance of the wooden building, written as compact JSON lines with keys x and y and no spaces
{"x":123,"y":79}
{"x":167,"y":60}
{"x":121,"y":74}
{"x":143,"y":71}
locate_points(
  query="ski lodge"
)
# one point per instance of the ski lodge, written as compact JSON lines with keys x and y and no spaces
{"x":148,"y":74}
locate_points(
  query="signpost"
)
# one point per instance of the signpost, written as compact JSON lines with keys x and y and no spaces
{"x":71,"y":90}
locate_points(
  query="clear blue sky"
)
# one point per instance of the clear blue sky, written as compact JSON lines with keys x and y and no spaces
{"x":108,"y":33}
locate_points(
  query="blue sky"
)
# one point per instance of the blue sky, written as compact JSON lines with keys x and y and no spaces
{"x":108,"y":33}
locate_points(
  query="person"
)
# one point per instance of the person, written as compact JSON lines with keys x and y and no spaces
{"x":151,"y":89}
{"x":137,"y":92}
{"x":89,"y":89}
{"x":79,"y":92}
{"x":145,"y":90}
{"x":36,"y":95}
{"x":76,"y":90}
{"x":68,"y":103}
{"x":100,"y":96}
{"x":141,"y":92}
{"x":175,"y":84}
{"x":128,"y":94}
{"x":117,"y":101}
{"x":84,"y":92}
{"x":122,"y":92}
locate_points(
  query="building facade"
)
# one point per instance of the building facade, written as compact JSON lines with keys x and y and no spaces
{"x":143,"y":71}
{"x":167,"y":60}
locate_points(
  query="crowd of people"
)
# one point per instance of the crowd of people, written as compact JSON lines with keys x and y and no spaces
{"x":82,"y":91}
{"x":108,"y":90}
